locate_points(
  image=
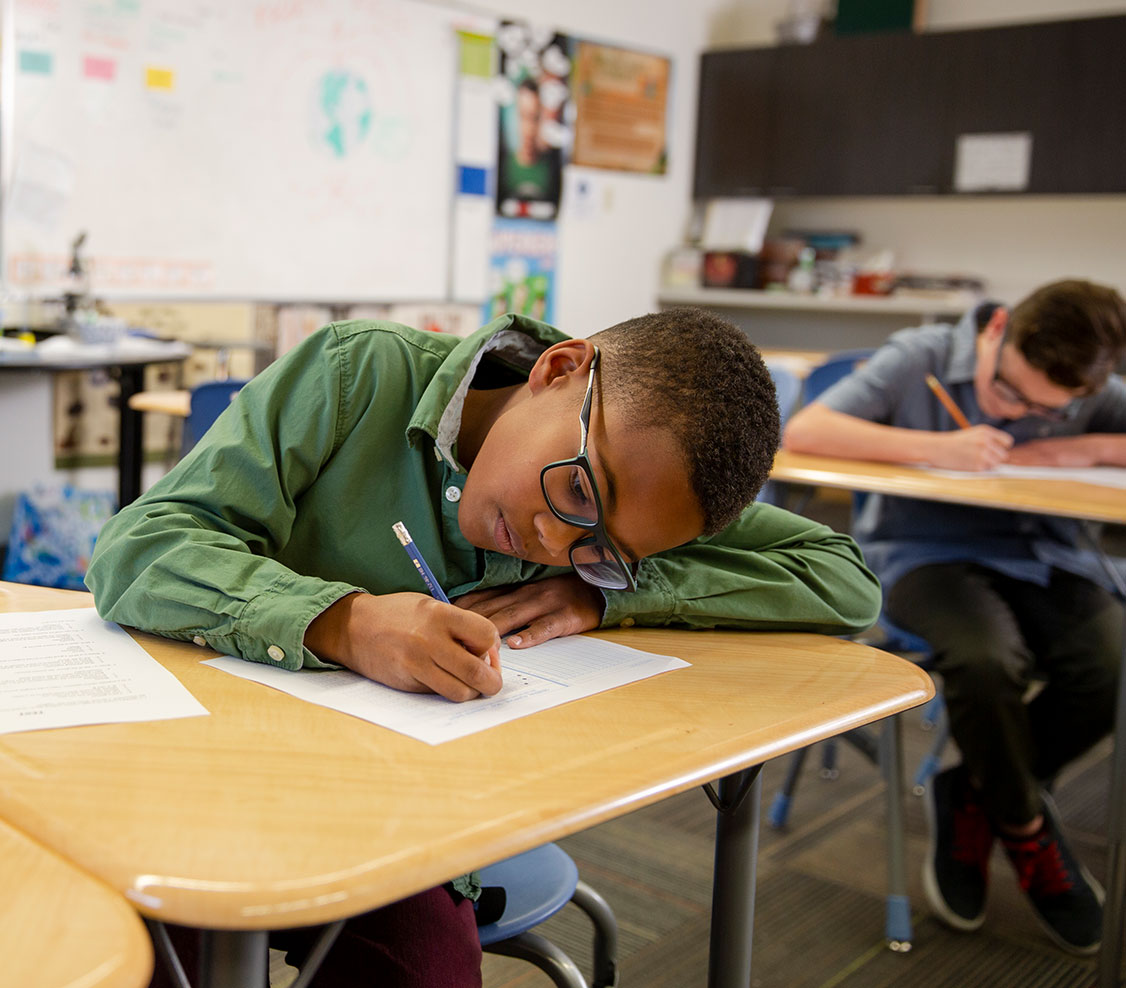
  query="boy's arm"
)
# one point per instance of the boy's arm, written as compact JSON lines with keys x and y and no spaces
{"x":1090,"y":450}
{"x":771,"y":569}
{"x":192,"y":558}
{"x":824,"y":431}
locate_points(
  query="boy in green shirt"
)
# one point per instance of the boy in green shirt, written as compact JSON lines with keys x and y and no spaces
{"x":554,"y":485}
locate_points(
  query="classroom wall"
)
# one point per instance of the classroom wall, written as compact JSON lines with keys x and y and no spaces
{"x":612,"y":241}
{"x":1015,"y":243}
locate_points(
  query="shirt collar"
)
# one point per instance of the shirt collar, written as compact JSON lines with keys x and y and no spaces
{"x":516,"y":340}
{"x":962,"y":362}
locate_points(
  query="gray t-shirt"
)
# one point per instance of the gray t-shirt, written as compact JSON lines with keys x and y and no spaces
{"x":899,"y":534}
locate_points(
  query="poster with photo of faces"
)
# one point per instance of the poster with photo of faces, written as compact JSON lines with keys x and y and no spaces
{"x":535,"y":126}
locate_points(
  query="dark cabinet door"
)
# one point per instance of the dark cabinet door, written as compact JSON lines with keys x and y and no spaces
{"x":856,"y":116}
{"x":733,"y":124}
{"x":882,"y":114}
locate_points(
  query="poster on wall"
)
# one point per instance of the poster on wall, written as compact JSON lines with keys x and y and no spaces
{"x":521,"y":270}
{"x":621,"y":107}
{"x":534,"y":134}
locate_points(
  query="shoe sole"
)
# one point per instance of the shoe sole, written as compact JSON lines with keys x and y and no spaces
{"x":930,"y":880}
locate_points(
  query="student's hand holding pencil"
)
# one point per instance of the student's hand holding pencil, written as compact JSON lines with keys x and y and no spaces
{"x":972,"y":447}
{"x":980,"y":447}
{"x":411,"y":642}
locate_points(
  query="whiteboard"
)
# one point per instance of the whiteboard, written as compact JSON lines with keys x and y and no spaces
{"x":282,"y":149}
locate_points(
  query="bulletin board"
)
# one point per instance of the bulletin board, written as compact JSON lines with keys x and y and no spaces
{"x":262,"y":149}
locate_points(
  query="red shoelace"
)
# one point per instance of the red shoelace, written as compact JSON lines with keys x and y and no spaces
{"x":1039,"y":865}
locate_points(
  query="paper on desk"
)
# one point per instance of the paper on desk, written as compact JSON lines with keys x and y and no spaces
{"x":537,"y":678}
{"x":1102,"y":476}
{"x":65,"y":668}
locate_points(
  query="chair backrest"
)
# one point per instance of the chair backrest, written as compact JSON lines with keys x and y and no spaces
{"x":207,"y":403}
{"x":831,"y":370}
{"x":787,"y":386}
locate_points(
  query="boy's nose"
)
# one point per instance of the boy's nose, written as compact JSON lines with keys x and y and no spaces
{"x":555,"y":536}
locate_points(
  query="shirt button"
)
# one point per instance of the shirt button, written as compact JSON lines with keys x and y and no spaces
{"x":453,"y":493}
{"x":276,"y":652}
{"x":628,"y":622}
{"x":200,"y":641}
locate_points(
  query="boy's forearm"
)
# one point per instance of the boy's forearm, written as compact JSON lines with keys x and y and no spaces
{"x":822,"y":431}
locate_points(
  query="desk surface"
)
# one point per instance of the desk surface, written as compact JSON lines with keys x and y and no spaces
{"x":62,"y":928}
{"x":90,"y":355}
{"x":274,"y":812}
{"x":178,"y":403}
{"x":1065,"y":498}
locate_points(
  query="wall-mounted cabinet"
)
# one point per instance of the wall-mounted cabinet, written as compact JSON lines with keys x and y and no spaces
{"x":881,"y":114}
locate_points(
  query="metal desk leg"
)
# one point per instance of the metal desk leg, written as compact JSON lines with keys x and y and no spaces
{"x":733,"y":883}
{"x":1114,"y":909}
{"x":130,"y":456}
{"x":235,"y":959}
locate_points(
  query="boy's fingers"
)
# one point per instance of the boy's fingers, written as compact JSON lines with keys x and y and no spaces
{"x":476,"y":672}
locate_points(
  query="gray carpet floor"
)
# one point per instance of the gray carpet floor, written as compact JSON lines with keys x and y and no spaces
{"x":821,"y":885}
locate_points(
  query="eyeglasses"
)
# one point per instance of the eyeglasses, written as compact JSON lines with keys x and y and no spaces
{"x":1013,"y":395}
{"x":572,"y":495}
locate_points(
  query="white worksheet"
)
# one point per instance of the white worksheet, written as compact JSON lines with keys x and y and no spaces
{"x":65,"y":668}
{"x":1102,"y":476}
{"x":536,"y":678}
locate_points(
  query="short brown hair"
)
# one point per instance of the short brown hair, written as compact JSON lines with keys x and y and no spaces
{"x":695,"y":373}
{"x":1073,"y":331}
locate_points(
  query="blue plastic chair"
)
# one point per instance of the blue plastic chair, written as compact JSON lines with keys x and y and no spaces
{"x":537,"y":884}
{"x":208,"y":401}
{"x":787,"y":388}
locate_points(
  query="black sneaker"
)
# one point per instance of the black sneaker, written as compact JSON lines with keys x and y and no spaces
{"x":1067,"y":899}
{"x":956,"y":870}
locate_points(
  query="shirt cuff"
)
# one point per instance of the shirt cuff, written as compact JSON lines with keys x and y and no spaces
{"x":652,"y":603}
{"x":272,"y":626}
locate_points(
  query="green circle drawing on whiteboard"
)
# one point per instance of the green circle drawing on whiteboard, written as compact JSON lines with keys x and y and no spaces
{"x":342,"y":112}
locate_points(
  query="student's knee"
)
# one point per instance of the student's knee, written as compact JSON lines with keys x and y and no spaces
{"x":981,"y":672}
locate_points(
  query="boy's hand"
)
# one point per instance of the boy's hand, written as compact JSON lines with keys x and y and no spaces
{"x":981,"y":447}
{"x":410,"y":642}
{"x":1062,"y":451}
{"x":551,"y":608}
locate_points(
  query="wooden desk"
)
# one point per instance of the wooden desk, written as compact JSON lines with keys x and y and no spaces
{"x":177,"y":403}
{"x":62,"y":928}
{"x":125,"y":362}
{"x":798,"y":362}
{"x":1064,"y":498}
{"x":272,"y":812}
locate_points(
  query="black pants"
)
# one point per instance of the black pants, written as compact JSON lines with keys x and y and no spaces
{"x":992,"y":635}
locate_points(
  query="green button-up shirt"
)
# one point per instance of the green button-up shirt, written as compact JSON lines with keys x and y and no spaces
{"x":287,"y":503}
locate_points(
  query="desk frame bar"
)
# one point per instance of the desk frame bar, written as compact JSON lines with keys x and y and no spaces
{"x":1114,"y":911}
{"x":131,"y":455}
{"x":733,"y":882}
{"x":235,"y":959}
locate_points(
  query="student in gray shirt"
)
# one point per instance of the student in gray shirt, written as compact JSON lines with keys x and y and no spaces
{"x":1002,"y":597}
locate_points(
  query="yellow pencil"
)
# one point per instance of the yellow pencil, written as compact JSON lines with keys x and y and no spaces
{"x":947,"y":402}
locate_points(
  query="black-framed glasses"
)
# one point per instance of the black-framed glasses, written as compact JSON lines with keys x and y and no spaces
{"x":572,"y":495}
{"x":1010,"y":393}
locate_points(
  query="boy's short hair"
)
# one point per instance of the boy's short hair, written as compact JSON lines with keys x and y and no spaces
{"x":695,"y":373}
{"x":1073,"y":331}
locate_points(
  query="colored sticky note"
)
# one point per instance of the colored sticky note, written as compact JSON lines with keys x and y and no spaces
{"x":159,"y":78}
{"x":36,"y":62}
{"x":472,"y":181}
{"x":476,"y":54}
{"x":94,"y":67}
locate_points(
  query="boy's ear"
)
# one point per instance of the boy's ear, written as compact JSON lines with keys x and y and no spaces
{"x":563,"y":360}
{"x":997,"y":323}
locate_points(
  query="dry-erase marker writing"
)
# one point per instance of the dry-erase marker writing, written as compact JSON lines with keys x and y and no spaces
{"x":407,"y":543}
{"x":947,"y":402}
